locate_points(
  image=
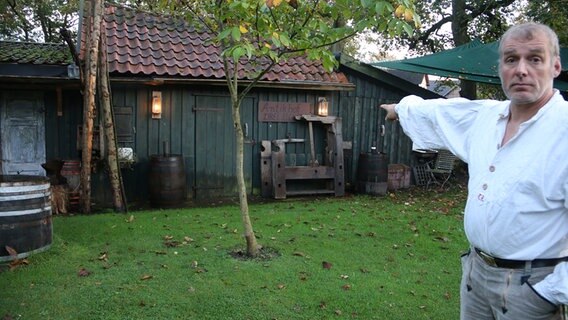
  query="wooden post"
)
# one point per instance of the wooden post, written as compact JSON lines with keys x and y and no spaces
{"x":335,"y":138}
{"x":115,"y":178}
{"x":89,"y":103}
{"x":278,"y":170}
{"x":266,"y":168}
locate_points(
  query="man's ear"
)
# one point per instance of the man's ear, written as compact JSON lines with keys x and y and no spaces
{"x":557,"y":67}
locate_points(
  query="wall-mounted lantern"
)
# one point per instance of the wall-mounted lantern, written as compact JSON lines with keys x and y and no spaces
{"x":322,"y":107}
{"x":156,"y":104}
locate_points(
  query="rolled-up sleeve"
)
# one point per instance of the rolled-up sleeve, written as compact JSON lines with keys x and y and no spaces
{"x":555,"y":286}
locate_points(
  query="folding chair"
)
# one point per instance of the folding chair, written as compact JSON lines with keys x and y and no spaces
{"x":443,"y":167}
{"x":422,"y":174}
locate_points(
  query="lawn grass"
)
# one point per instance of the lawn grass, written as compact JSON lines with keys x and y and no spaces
{"x":391,"y":257}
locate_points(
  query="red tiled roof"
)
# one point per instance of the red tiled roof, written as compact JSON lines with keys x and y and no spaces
{"x":141,"y":43}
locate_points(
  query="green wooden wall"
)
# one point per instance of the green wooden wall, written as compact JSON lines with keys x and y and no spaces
{"x":196,"y":123}
{"x":363,"y":120}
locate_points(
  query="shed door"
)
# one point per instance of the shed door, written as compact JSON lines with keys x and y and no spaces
{"x":215,"y":147}
{"x":22,"y":120}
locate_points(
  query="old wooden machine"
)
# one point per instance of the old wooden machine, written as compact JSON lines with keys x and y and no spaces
{"x":311,"y":179}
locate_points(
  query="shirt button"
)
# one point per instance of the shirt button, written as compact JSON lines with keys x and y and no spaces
{"x":492,"y":168}
{"x":484,"y":186}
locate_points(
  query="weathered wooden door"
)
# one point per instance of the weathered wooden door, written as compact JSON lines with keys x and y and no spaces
{"x":22,"y":120}
{"x":215,"y":146}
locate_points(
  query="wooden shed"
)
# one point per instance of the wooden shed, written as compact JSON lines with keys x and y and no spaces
{"x":149,"y":55}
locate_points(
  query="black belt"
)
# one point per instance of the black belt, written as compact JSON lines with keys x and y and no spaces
{"x":517,"y":264}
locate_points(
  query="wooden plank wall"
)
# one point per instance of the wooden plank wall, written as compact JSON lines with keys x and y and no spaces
{"x":187,"y":135}
{"x":362,"y":121}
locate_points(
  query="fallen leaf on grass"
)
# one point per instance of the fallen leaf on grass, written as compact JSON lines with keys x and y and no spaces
{"x":299,"y":254}
{"x":172,"y":243}
{"x":281,"y":286}
{"x":346,"y":287}
{"x":364,"y":270}
{"x":103,"y":257}
{"x":130,"y":219}
{"x":15,"y":262}
{"x":442,"y":239}
{"x":11,"y":251}
{"x":84,"y":272}
{"x":18,"y":262}
{"x":146,"y":277}
{"x":326,"y":265}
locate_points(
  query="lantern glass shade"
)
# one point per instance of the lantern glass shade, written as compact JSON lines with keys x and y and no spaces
{"x":322,"y":107}
{"x":156,"y":104}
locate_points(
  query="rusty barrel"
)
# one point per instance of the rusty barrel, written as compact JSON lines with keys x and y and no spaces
{"x":372,"y":173}
{"x":25,"y":215}
{"x":166,"y":183}
{"x":72,"y":171}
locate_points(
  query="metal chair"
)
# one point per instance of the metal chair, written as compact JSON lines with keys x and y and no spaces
{"x":441,"y":171}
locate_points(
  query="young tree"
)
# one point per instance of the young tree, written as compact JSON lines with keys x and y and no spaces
{"x":260,"y":33}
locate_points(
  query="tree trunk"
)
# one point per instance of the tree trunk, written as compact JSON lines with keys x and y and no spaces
{"x":115,"y":178}
{"x":89,"y":103}
{"x":338,"y":47}
{"x":236,"y":98}
{"x":252,"y":245}
{"x":460,"y":35}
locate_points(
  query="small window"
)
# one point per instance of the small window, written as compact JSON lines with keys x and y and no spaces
{"x":124,"y":124}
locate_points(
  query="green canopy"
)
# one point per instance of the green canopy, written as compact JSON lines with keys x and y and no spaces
{"x":474,"y":61}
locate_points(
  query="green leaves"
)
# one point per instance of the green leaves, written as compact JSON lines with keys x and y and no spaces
{"x":236,"y":33}
{"x":367,"y":3}
{"x":383,"y":8}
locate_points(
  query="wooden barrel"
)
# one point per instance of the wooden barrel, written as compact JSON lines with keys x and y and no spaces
{"x":372,"y":173}
{"x":25,"y":215}
{"x":72,"y":171}
{"x":167,"y":187}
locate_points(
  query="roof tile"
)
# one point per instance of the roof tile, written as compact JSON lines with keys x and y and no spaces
{"x":142,"y":43}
